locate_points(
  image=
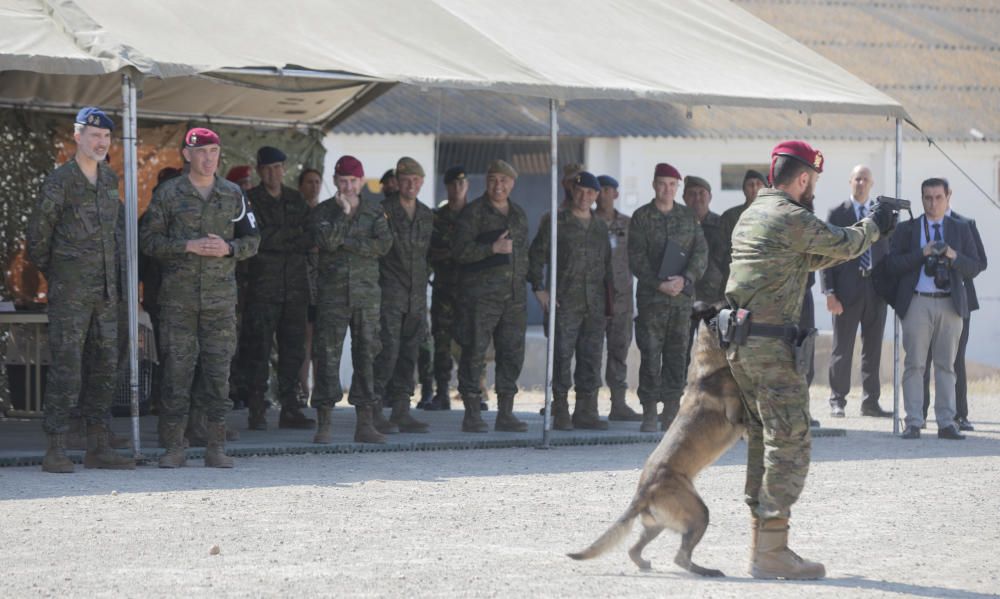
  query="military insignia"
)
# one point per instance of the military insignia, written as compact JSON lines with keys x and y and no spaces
{"x":818,"y":160}
{"x":93,"y":120}
{"x":192,"y":140}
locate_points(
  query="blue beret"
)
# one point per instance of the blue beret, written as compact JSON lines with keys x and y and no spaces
{"x":608,"y":181}
{"x":94,"y":117}
{"x":268,"y":155}
{"x":585,"y":179}
{"x":454,"y":174}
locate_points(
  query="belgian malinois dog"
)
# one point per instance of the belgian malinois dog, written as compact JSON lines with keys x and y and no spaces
{"x":710,"y":420}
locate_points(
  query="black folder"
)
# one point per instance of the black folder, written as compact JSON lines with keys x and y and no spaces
{"x":491,"y":261}
{"x":674,"y":260}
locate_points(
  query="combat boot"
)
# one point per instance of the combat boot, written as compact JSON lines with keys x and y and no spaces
{"x":172,"y":439}
{"x":215,"y":449}
{"x":364,"y":430}
{"x":441,"y":399}
{"x":473,"y":422}
{"x":379,"y":421}
{"x":754,"y":529}
{"x":257,"y":412}
{"x":402,"y":418}
{"x":56,"y":460}
{"x":620,"y":411}
{"x":99,"y":454}
{"x":117,"y":441}
{"x":585,"y":414}
{"x":649,"y":424}
{"x":426,"y":395}
{"x":291,"y":416}
{"x":76,"y":436}
{"x":668,"y":414}
{"x":506,"y":420}
{"x":324,"y":425}
{"x":773,"y":559}
{"x":561,"y":420}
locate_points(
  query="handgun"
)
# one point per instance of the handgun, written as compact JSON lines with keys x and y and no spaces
{"x":895,"y":204}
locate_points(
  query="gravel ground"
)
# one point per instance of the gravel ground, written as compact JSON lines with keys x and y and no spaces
{"x":887,"y":517}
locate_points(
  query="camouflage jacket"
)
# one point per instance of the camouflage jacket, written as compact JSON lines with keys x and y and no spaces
{"x":618,"y":237}
{"x":711,"y":287}
{"x":776,"y":243}
{"x":278,"y":273}
{"x":404,"y":270}
{"x":483,"y":273}
{"x":178,"y":214}
{"x":446,"y":271}
{"x":727,"y":222}
{"x":583,"y":266}
{"x":648,"y":233}
{"x":77,"y":230}
{"x":349,"y":252}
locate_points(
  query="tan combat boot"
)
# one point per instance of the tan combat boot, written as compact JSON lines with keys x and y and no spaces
{"x":620,"y":411}
{"x":364,"y":430}
{"x":506,"y":420}
{"x":379,"y":421}
{"x":324,"y":425}
{"x":99,"y":453}
{"x":561,"y":420}
{"x":172,"y":438}
{"x":257,"y":412}
{"x":55,"y":459}
{"x":773,"y":558}
{"x":215,"y":449}
{"x":585,"y":414}
{"x":649,"y":424}
{"x":402,"y":418}
{"x":473,"y":422}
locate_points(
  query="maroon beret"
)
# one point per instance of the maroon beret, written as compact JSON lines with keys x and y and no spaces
{"x":800,"y":151}
{"x":665,"y":170}
{"x":349,"y":166}
{"x":199,"y":136}
{"x":239,"y":173}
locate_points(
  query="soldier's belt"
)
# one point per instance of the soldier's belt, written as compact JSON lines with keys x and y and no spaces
{"x":787,"y":332}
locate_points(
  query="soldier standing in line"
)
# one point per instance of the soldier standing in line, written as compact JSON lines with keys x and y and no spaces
{"x":310,"y":183}
{"x":776,"y":243}
{"x":711,"y":287}
{"x":241,"y":175}
{"x":198,"y":226}
{"x":491,"y":245}
{"x":583,"y":281}
{"x":277,"y":297}
{"x":75,"y":237}
{"x":661,"y":329}
{"x":753,"y":182}
{"x":619,"y":324}
{"x":444,"y":306}
{"x":351,"y":235}
{"x":403,"y":275}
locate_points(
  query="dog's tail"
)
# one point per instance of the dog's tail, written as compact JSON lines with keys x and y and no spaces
{"x":614,"y":535}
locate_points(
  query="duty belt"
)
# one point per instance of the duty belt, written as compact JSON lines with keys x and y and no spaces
{"x":788,"y":332}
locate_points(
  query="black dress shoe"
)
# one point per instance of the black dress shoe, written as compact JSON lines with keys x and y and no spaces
{"x":963,"y":424}
{"x":874,"y":411}
{"x":950,"y":432}
{"x":837,"y":411}
{"x":911,"y":432}
{"x":814,"y":423}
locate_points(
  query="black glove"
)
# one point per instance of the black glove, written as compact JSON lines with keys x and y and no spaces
{"x":885,"y":217}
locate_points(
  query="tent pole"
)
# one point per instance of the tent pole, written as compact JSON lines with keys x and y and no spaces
{"x":129,"y":136}
{"x":895,"y":316}
{"x":553,"y":247}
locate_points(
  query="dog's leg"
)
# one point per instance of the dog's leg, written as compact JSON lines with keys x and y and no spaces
{"x":650,"y":530}
{"x":697,"y":526}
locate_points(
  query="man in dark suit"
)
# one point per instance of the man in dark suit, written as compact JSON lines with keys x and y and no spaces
{"x":961,"y":387}
{"x":851,"y":299}
{"x":932,"y":256}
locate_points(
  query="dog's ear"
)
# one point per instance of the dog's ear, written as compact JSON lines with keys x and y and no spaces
{"x":703,"y":311}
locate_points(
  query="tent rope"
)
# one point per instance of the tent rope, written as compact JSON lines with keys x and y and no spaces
{"x":931,"y":142}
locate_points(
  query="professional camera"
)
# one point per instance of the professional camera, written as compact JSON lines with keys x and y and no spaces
{"x":938,"y":266}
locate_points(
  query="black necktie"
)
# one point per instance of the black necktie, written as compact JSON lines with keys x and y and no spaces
{"x":937,"y":231}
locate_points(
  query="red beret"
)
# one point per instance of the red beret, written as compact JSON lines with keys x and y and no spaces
{"x":238,"y":173}
{"x":349,"y":166}
{"x":800,"y":151}
{"x":665,"y":170}
{"x":199,"y":136}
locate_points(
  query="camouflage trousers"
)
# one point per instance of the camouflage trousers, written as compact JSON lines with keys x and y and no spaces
{"x":425,"y":359}
{"x":579,"y":332}
{"x":262,"y":323}
{"x":661,"y":333}
{"x":402,"y":334}
{"x":488,"y":319}
{"x":196,"y":347}
{"x":443,"y":332}
{"x":618,"y":330}
{"x":778,"y":437}
{"x":332,"y":322}
{"x":77,"y":320}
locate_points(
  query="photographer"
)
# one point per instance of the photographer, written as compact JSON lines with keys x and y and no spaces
{"x":933,"y":256}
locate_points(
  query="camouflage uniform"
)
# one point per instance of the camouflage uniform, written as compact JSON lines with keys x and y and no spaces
{"x":277,"y":294}
{"x":349,"y":295}
{"x":711,"y":286}
{"x":661,"y":329}
{"x":198,"y":294}
{"x":403,"y":275}
{"x":583,"y":279}
{"x":492,"y":298}
{"x":74,"y":238}
{"x":775,"y":245}
{"x":444,"y":293}
{"x":619,"y":324}
{"x":727,"y":222}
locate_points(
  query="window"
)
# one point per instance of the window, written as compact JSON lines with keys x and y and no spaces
{"x":732,"y":174}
